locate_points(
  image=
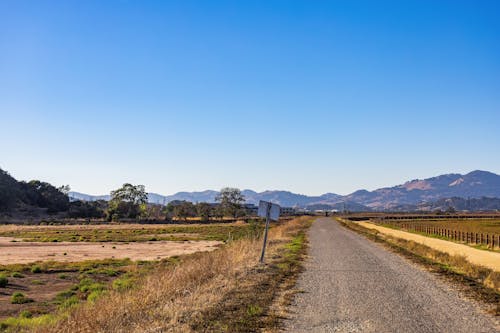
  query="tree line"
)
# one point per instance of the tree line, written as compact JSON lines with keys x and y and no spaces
{"x":127,"y":202}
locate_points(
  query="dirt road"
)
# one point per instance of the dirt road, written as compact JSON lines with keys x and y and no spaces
{"x":353,"y":285}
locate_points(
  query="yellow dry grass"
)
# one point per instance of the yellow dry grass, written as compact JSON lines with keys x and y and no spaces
{"x":173,"y":298}
{"x":478,"y":257}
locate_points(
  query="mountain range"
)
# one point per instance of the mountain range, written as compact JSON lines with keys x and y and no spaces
{"x":415,"y":193}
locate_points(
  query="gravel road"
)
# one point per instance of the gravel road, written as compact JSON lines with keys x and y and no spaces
{"x":354,"y":285}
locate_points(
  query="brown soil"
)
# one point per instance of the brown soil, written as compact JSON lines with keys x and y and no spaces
{"x":28,"y":252}
{"x":41,"y":287}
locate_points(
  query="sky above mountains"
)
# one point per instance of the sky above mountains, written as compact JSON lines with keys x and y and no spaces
{"x":311,"y":97}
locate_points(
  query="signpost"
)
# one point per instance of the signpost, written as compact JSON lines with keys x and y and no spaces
{"x":271,"y":212}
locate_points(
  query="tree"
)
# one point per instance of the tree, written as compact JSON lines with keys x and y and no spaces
{"x":127,"y":202}
{"x":184,"y":209}
{"x":230,"y":200}
{"x":43,"y":194}
{"x":204,"y":211}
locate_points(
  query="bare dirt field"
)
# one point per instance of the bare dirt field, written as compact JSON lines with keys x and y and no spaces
{"x":479,"y":257}
{"x":28,"y":252}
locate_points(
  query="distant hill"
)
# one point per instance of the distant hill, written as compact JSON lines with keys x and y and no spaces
{"x":412,"y":194}
{"x":475,"y":184}
{"x":33,"y":197}
{"x":455,"y":203}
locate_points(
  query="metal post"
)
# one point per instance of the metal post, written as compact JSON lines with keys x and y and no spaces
{"x":268,"y":212}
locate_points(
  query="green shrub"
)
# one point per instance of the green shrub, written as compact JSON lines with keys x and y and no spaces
{"x":36,"y":269}
{"x":19,"y":298}
{"x":123,"y":283}
{"x":3,"y":281}
{"x":25,"y":314}
{"x":62,"y":276}
{"x":17,"y":275}
{"x":69,"y":302}
{"x":64,"y":295}
{"x":37,"y":282}
{"x":94,"y":295}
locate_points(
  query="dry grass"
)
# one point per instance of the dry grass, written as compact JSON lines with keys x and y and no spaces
{"x":225,"y":290}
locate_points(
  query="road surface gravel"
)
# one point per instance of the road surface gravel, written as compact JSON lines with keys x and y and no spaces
{"x":351,"y":284}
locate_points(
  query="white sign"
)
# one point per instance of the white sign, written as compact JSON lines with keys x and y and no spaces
{"x":274,"y":210}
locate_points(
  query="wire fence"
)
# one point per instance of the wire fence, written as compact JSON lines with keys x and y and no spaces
{"x":491,"y":240}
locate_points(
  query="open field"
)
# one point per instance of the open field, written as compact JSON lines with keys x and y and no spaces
{"x":56,"y":267}
{"x":203,"y":291}
{"x":125,"y":232}
{"x":28,"y":252}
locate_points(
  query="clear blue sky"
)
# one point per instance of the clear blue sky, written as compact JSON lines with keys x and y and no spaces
{"x":307,"y":96}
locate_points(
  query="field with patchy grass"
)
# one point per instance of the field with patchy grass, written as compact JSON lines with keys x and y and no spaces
{"x":223,"y":290}
{"x":47,"y":269}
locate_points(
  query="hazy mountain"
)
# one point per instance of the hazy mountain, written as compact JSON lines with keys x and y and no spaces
{"x":475,"y":184}
{"x":455,"y":203}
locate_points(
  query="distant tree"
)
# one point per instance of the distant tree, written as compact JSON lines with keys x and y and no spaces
{"x":218,"y":212}
{"x":184,"y":210}
{"x":87,"y":209}
{"x":230,"y":200}
{"x":129,"y":201}
{"x":204,"y":211}
{"x":65,"y":189}
{"x":45,"y":195}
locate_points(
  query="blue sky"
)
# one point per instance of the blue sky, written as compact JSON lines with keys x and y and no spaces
{"x":307,"y":96}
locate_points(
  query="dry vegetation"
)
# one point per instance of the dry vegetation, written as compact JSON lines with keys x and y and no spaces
{"x":480,"y":282}
{"x":226,"y":290}
{"x":480,"y":233}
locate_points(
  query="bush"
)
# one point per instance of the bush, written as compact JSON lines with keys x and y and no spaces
{"x":25,"y":314}
{"x":3,"y":281}
{"x":36,"y":269}
{"x":19,"y":298}
{"x":17,"y":275}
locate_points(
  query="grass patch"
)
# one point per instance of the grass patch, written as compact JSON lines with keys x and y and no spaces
{"x":219,"y":232}
{"x":20,"y":298}
{"x":4,"y":281}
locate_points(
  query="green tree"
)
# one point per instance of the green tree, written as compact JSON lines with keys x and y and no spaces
{"x":204,"y":211}
{"x":129,"y":201}
{"x":184,"y":209}
{"x":231,"y":200}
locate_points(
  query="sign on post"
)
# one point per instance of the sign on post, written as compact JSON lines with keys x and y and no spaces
{"x":271,"y":212}
{"x":274,"y":210}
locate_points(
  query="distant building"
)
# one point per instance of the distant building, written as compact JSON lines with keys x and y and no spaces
{"x":287,"y":211}
{"x":250,"y":209}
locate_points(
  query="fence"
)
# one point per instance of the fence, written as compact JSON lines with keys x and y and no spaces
{"x":474,"y":238}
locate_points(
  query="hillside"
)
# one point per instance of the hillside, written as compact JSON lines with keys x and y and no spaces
{"x":475,"y":184}
{"x":30,"y":197}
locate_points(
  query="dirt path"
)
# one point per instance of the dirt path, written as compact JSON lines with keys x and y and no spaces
{"x":28,"y":252}
{"x":353,"y":285}
{"x":479,"y":257}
